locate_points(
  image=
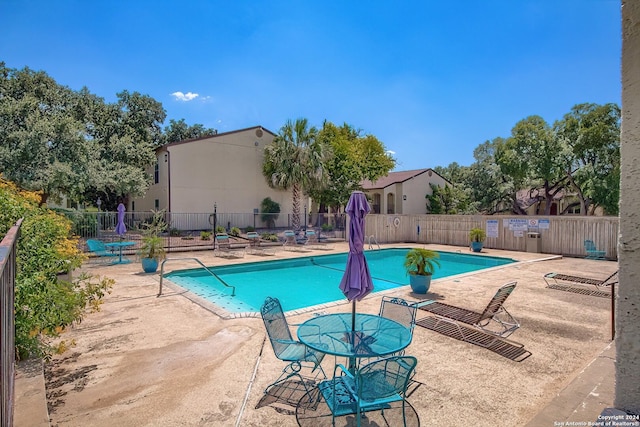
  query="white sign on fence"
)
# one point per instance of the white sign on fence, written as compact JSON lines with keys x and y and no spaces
{"x":492,"y":228}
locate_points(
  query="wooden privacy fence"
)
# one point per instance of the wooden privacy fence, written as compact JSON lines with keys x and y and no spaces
{"x":561,"y":235}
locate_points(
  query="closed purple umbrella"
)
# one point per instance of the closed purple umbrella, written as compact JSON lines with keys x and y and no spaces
{"x":121,"y":229}
{"x":356,"y":282}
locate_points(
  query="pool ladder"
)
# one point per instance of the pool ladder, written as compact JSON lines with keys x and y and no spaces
{"x":372,"y":240}
{"x":233,"y":288}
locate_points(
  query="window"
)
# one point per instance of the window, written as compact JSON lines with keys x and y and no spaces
{"x":574,"y":210}
{"x":156,"y":204}
{"x":156,"y":173}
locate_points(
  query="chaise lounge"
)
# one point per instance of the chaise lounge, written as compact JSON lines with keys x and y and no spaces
{"x":225,"y":247}
{"x":494,"y":319}
{"x":580,"y":284}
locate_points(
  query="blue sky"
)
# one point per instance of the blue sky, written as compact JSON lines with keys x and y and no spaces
{"x":432,"y":80}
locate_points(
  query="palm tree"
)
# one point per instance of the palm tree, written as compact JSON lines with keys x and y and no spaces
{"x":294,"y":160}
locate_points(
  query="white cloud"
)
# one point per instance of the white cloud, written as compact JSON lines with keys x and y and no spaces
{"x":184,"y":96}
{"x":390,"y":152}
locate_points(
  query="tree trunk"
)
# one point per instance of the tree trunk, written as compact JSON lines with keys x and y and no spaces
{"x":295,"y":220}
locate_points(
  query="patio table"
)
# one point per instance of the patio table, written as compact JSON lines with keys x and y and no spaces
{"x":373,"y":336}
{"x":120,"y":245}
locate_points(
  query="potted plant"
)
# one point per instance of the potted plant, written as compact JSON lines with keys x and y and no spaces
{"x":152,"y":247}
{"x":420,"y":264}
{"x":477,"y":236}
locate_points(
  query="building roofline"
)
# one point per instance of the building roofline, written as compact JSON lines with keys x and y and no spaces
{"x":186,"y":141}
{"x":416,"y":172}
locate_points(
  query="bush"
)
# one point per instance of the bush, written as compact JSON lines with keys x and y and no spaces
{"x":249,"y":228}
{"x":235,"y":231}
{"x":220,"y":229}
{"x":270,"y":211}
{"x":327,"y":227}
{"x":270,"y":237}
{"x":44,"y":304}
{"x":205,"y":235}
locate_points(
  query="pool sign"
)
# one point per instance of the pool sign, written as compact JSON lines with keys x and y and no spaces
{"x":543,"y":224}
{"x":492,"y":228}
{"x":518,"y":224}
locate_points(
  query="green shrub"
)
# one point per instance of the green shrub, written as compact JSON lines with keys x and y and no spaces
{"x":220,"y":229}
{"x":270,"y":237}
{"x":327,"y":227}
{"x":269,"y":211}
{"x":235,"y":231}
{"x":44,"y":304}
{"x":174,"y":232}
{"x":205,"y":235}
{"x":249,"y":228}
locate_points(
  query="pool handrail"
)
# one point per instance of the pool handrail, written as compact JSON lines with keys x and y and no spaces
{"x":372,"y":239}
{"x":233,"y":288}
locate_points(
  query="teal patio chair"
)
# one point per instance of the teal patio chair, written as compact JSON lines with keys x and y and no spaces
{"x":100,"y":251}
{"x":592,"y":251}
{"x":286,"y":348}
{"x":371,"y":388}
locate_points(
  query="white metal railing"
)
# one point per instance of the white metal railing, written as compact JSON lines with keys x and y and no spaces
{"x":372,"y":240}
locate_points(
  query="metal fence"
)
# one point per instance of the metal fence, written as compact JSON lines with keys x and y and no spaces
{"x":7,"y":323}
{"x":192,"y":231}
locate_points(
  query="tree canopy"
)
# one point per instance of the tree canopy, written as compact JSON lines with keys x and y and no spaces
{"x":180,"y":131}
{"x":62,"y":142}
{"x":350,"y":158}
{"x":295,"y":160}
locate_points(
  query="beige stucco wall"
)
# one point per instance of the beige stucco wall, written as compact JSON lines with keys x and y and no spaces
{"x":225,"y":169}
{"x":628,"y":301}
{"x":416,"y":189}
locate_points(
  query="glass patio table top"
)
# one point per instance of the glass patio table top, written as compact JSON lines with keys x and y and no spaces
{"x":373,"y":335}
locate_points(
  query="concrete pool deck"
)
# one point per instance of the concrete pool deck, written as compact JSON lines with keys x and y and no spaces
{"x":145,"y":360}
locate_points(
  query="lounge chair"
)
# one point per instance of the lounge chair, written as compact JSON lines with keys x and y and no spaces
{"x":258,"y":247}
{"x":555,"y":280}
{"x":286,"y":348}
{"x":371,"y":388}
{"x":225,"y":247}
{"x":292,"y":241}
{"x":313,"y":240}
{"x":493,"y":317}
{"x":592,"y":251}
{"x":100,"y":251}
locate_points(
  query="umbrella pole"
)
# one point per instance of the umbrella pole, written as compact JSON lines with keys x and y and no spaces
{"x":352,"y":360}
{"x":353,"y":315}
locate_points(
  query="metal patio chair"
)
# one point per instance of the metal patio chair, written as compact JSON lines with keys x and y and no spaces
{"x":592,"y":251}
{"x":371,"y":388}
{"x":100,"y":250}
{"x":286,"y":348}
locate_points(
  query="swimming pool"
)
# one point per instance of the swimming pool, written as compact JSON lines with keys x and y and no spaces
{"x":308,"y":281}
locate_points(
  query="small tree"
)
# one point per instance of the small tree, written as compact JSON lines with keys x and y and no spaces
{"x":270,"y":211}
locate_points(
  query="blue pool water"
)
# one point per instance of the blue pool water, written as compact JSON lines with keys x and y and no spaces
{"x":308,"y":281}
